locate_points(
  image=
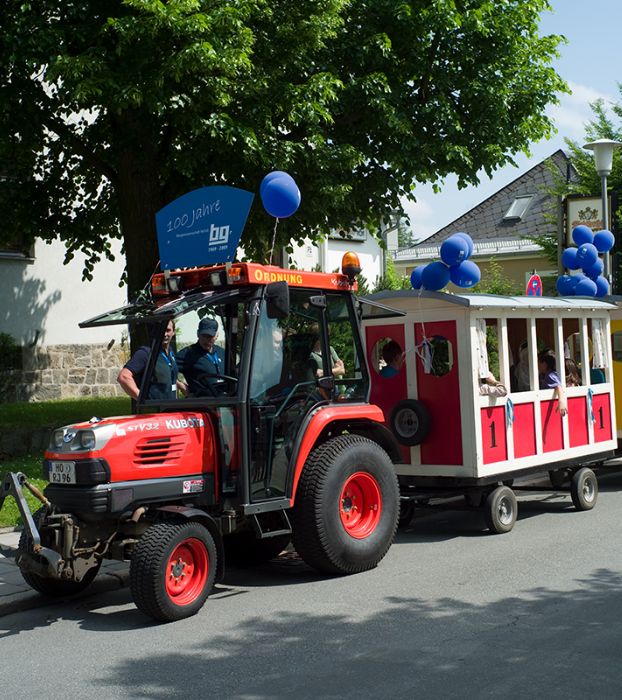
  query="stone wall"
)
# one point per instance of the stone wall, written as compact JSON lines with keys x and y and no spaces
{"x":64,"y":372}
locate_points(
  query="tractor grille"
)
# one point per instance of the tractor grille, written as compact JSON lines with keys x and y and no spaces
{"x":152,"y":452}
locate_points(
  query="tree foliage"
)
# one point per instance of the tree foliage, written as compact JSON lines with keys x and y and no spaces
{"x":112,"y":108}
{"x":585,"y":181}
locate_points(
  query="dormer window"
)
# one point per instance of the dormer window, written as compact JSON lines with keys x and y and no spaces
{"x":518,"y":208}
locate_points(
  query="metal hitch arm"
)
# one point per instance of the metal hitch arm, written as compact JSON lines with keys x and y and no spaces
{"x":12,"y":486}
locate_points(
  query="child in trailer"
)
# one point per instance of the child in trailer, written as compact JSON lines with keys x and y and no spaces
{"x":549,"y":378}
{"x":573,"y":378}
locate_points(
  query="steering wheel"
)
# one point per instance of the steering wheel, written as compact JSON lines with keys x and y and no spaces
{"x":212,"y":383}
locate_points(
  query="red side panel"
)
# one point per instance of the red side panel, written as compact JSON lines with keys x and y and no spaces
{"x":524,"y":430}
{"x":321,"y":420}
{"x":552,"y":435}
{"x":494,"y":441}
{"x":441,"y":396}
{"x":577,"y":421}
{"x":386,"y":391}
{"x":601,"y":406}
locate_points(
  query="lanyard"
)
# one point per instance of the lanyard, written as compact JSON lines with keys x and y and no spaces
{"x":215,"y":361}
{"x":167,"y":359}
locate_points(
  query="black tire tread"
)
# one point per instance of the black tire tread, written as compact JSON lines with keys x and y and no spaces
{"x":147,"y":593}
{"x":313,"y":544}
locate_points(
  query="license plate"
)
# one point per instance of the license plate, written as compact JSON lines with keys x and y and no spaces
{"x":62,"y":472}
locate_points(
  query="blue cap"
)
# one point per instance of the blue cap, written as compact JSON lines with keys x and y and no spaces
{"x":208,"y":326}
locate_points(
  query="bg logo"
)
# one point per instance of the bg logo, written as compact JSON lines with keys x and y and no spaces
{"x":218,"y":235}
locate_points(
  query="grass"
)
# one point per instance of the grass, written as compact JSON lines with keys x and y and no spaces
{"x":53,"y":414}
{"x":31,"y":466}
{"x":48,"y":414}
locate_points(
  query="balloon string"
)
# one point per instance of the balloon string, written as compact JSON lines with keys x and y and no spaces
{"x":276,"y":223}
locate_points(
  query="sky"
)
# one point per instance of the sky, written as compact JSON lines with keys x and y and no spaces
{"x":589,"y":63}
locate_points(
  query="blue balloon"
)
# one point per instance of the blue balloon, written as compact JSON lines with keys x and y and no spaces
{"x":587,"y":255}
{"x":585,"y":287}
{"x":569,"y":259}
{"x":466,"y":274}
{"x":270,"y":176}
{"x":454,"y":250}
{"x":469,"y":241}
{"x":602,"y":287}
{"x":593,"y":271}
{"x":281,"y":197}
{"x":435,"y":276}
{"x":415,"y":276}
{"x":604,"y":241}
{"x":582,"y":234}
{"x":566,"y":284}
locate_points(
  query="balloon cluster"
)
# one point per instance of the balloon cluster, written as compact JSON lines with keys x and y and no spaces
{"x":590,"y":281}
{"x":280,"y":194}
{"x":453,"y":266}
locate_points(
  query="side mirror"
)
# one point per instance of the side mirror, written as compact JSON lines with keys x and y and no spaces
{"x":277,"y":300}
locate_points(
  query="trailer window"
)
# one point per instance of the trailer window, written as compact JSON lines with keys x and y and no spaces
{"x":518,"y":340}
{"x":387,"y":357}
{"x":441,"y":355}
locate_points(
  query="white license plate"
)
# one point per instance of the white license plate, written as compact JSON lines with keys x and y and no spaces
{"x":63,"y":472}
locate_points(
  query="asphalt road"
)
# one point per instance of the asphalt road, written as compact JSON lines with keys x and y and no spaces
{"x":451,"y":612}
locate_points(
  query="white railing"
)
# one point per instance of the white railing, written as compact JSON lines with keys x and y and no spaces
{"x":487,"y":248}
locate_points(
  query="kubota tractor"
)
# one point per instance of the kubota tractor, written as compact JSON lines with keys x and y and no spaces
{"x":276,"y":446}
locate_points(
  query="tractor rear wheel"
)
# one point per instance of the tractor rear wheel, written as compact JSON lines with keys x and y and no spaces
{"x":48,"y":586}
{"x":347,"y":505}
{"x":173,"y":569}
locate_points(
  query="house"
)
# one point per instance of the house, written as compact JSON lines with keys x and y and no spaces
{"x":501,"y":225}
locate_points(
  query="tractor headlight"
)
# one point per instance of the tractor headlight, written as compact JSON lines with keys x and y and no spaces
{"x":87,"y":439}
{"x":57,"y":439}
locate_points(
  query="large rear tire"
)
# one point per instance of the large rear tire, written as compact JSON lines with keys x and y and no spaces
{"x":172,"y":570}
{"x":48,"y":586}
{"x":347,"y":506}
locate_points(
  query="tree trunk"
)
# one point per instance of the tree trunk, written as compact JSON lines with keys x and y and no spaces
{"x":139,"y":196}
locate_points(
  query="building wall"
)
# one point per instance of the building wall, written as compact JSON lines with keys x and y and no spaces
{"x":43,"y":300}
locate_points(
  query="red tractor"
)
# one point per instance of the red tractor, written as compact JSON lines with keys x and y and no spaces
{"x":278,"y":445}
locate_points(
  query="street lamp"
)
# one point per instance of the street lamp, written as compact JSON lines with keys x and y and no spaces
{"x":603,"y":159}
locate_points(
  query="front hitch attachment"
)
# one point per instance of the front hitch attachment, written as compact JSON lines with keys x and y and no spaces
{"x":12,"y":486}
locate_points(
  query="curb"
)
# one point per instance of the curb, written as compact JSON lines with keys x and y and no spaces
{"x":30,"y":600}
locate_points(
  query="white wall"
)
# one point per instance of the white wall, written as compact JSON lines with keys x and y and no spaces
{"x":51,"y":298}
{"x":328,"y":255}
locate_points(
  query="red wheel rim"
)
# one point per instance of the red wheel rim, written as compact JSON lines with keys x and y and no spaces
{"x":187,"y":571}
{"x":360,"y":505}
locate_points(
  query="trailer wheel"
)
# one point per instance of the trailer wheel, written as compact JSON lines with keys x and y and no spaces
{"x":584,"y":489}
{"x":410,"y":422}
{"x":347,"y":505}
{"x":501,"y":510}
{"x":244,"y":549}
{"x":172,"y":570}
{"x":48,"y":586}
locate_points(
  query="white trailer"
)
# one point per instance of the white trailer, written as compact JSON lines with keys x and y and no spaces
{"x":452,"y":437}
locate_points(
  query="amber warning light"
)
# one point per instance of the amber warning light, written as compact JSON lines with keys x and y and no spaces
{"x":350,"y":266}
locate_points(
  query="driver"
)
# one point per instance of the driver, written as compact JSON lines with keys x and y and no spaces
{"x":202,"y":363}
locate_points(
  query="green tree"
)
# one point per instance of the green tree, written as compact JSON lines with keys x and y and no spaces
{"x":585,"y":180}
{"x":494,"y":281}
{"x":112,"y":108}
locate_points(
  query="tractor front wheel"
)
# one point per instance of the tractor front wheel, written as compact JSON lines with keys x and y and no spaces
{"x":347,"y":506}
{"x":173,"y":569}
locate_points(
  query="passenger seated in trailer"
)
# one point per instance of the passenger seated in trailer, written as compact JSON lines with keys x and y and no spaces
{"x":519,"y":374}
{"x":394,"y":358}
{"x":572,"y":373}
{"x":597,"y":376}
{"x":549,"y":378}
{"x":490,"y":386}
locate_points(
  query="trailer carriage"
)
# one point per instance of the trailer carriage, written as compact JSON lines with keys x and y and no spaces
{"x":456,"y":440}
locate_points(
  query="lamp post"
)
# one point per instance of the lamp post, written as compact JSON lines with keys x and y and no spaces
{"x":603,"y":159}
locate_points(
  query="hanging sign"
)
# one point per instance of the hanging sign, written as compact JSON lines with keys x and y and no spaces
{"x":534,"y":286}
{"x":202,"y":227}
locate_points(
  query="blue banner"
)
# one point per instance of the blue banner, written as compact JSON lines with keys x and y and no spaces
{"x":202,"y":227}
